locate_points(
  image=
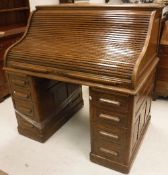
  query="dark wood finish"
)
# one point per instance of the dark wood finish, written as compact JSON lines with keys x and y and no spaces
{"x":14,"y":16}
{"x":42,"y":105}
{"x":66,"y":1}
{"x":118,"y":123}
{"x":161,"y":88}
{"x":114,"y":53}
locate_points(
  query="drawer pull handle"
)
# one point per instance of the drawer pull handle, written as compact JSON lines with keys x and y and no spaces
{"x":18,"y":94}
{"x":2,"y":34}
{"x":25,"y":110}
{"x":117,"y":103}
{"x":19,"y":82}
{"x":114,"y":153}
{"x":109,"y":135}
{"x":116,"y":119}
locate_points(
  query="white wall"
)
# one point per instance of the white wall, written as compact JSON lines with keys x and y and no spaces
{"x":33,"y":3}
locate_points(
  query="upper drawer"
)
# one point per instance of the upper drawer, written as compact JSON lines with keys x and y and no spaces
{"x":21,"y":93}
{"x":109,"y":118}
{"x":116,"y":102}
{"x":20,"y":81}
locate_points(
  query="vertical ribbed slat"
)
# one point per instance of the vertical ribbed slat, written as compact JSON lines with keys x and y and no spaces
{"x":103,"y":44}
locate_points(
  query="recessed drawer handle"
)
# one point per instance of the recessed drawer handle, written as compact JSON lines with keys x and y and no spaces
{"x":109,"y":135}
{"x":19,"y":82}
{"x":117,"y":103}
{"x":116,"y":119}
{"x":2,"y":34}
{"x":23,"y":109}
{"x":18,"y":94}
{"x":114,"y":153}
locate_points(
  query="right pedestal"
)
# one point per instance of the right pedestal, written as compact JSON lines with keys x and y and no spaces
{"x":118,"y":123}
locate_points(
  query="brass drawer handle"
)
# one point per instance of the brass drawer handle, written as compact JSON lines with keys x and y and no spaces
{"x":109,"y":135}
{"x":117,"y":103}
{"x":116,"y":119}
{"x":18,"y":94}
{"x":114,"y":153}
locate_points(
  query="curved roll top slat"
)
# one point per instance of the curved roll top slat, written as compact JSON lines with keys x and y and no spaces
{"x":101,"y":45}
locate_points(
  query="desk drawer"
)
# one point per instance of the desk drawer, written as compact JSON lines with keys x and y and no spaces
{"x":163,"y":73}
{"x":108,"y":100}
{"x":163,"y":50}
{"x":109,"y":118}
{"x":25,"y":108}
{"x":20,"y":81}
{"x":20,"y":93}
{"x":110,"y":151}
{"x":162,"y":88}
{"x":110,"y":135}
{"x":163,"y":60}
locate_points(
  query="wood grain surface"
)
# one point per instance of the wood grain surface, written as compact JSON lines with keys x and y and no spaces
{"x":111,"y":49}
{"x":14,"y":16}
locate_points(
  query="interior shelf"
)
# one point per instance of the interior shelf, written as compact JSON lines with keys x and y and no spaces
{"x":13,"y":9}
{"x":12,"y":30}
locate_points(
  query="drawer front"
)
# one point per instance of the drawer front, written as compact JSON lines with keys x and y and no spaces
{"x":162,"y":84}
{"x":22,"y":94}
{"x":19,"y":81}
{"x":111,"y":101}
{"x":26,"y":126}
{"x":163,"y":50}
{"x":109,"y":118}
{"x":110,"y":135}
{"x":163,"y":73}
{"x":110,"y":151}
{"x":24,"y":107}
{"x":162,"y":88}
{"x":163,"y":60}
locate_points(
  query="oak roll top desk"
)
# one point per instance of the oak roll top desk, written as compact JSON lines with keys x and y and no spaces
{"x":111,"y":49}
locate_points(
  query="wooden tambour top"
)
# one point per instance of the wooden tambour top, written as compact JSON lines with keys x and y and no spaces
{"x":112,"y":47}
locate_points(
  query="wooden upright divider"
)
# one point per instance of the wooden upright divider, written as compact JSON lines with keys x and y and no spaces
{"x":110,"y":48}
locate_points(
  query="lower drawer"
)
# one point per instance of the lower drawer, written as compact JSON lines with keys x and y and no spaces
{"x":110,"y":151}
{"x":111,"y":135}
{"x":24,"y":108}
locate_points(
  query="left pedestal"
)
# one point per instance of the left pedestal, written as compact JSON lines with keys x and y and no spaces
{"x":42,"y":106}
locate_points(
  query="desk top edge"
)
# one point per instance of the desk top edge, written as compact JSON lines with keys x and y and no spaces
{"x":96,"y":6}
